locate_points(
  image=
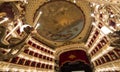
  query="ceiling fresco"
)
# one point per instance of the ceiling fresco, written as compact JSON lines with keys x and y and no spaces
{"x":60,"y":21}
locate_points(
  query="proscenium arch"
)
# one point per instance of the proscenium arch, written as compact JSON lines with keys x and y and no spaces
{"x":66,"y":48}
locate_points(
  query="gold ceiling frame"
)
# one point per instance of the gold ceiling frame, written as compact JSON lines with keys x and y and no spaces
{"x":85,"y":7}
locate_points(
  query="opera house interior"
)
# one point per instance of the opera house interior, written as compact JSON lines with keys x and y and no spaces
{"x":81,"y":36}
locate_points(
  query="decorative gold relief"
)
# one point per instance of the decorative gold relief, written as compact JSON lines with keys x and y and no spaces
{"x":72,"y":56}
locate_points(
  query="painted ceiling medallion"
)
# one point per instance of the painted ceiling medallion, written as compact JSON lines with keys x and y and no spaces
{"x":60,"y":21}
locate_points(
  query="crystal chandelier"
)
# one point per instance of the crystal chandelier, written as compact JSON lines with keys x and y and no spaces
{"x":10,"y":15}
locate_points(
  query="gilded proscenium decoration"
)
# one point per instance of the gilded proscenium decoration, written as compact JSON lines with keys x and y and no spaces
{"x":60,"y":21}
{"x":72,"y":56}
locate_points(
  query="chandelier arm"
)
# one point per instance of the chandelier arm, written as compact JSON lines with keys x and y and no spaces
{"x":19,"y":46}
{"x":10,"y":46}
